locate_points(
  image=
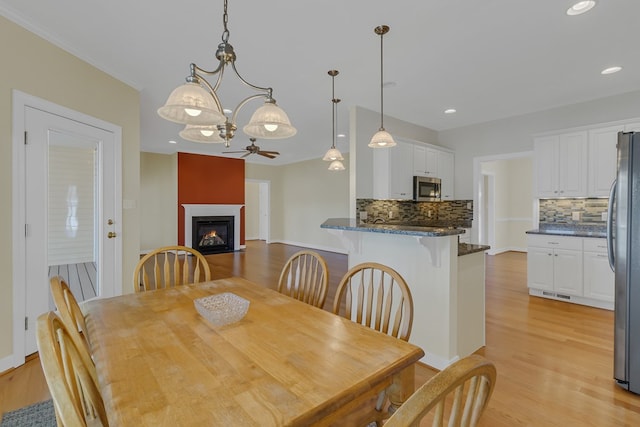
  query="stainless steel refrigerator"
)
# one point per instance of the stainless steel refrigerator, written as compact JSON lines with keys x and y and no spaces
{"x":623,"y":236}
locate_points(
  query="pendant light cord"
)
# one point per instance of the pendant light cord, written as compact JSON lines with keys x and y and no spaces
{"x":381,"y":84}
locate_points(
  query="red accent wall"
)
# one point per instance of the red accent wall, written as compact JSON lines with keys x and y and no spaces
{"x":209,"y":180}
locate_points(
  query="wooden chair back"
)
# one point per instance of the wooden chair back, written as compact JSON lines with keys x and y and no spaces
{"x":76,"y":396}
{"x":376,"y":296}
{"x":170,"y":266}
{"x":70,"y":312}
{"x":305,"y":277}
{"x":459,"y":394}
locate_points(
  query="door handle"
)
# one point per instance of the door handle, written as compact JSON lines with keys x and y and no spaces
{"x":111,"y":235}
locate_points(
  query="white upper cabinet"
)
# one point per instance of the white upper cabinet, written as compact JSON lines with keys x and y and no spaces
{"x":445,"y":172}
{"x":561,"y":165}
{"x":425,"y":161}
{"x":602,"y":159}
{"x":394,"y":168}
{"x":392,"y":172}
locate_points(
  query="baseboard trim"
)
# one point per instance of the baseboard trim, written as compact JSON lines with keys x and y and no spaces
{"x":312,"y":246}
{"x":7,"y":363}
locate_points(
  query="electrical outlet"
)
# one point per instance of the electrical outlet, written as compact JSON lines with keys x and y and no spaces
{"x":390,"y":214}
{"x":429,"y":214}
{"x":468,"y":205}
{"x":575,"y":216}
{"x":363,"y":215}
{"x":605,"y":216}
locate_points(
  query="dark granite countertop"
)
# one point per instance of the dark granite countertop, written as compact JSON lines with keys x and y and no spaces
{"x":570,"y":230}
{"x":468,"y":248}
{"x":351,"y":224}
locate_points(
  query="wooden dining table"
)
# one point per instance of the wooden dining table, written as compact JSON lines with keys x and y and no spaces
{"x":286,"y":363}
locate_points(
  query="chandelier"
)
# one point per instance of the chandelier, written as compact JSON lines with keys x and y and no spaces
{"x":196,"y":104}
{"x":334,"y":155}
{"x":382,"y":138}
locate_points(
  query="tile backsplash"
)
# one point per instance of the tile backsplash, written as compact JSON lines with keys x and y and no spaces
{"x":561,"y":211}
{"x":408,"y":210}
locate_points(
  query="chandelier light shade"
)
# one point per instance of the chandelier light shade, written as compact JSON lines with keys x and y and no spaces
{"x":191,"y":104}
{"x":269,"y":122}
{"x":382,"y":138}
{"x":199,"y":133}
{"x":334,"y":155}
{"x":197,"y":103}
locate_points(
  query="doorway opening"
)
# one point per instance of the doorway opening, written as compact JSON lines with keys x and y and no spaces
{"x":257,"y":210}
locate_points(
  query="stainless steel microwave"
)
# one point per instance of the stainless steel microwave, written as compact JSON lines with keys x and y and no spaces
{"x":426,"y":189}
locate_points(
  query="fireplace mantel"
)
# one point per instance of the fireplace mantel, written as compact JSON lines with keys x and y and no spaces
{"x":211,"y":210}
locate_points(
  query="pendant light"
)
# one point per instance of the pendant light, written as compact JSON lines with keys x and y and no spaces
{"x":334,"y":155}
{"x":197,"y":105}
{"x":382,"y":138}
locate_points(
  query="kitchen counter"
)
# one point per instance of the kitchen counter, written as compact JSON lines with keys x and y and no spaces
{"x":571,"y":232}
{"x":352,"y":224}
{"x":447,"y":289}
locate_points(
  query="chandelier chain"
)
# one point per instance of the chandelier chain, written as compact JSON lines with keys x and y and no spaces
{"x":225,"y":21}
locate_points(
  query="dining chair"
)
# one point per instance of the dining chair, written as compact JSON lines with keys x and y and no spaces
{"x":170,"y":266}
{"x":459,"y":394}
{"x":75,"y":393}
{"x":70,"y":312}
{"x":376,"y":296}
{"x":305,"y":277}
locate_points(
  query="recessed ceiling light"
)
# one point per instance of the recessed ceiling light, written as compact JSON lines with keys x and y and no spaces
{"x":450,"y":111}
{"x":581,"y":7}
{"x":341,"y":135}
{"x":610,"y":70}
{"x":227,"y":111}
{"x":172,"y":142}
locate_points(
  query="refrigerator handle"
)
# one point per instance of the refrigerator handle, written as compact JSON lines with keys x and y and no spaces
{"x":612,"y":195}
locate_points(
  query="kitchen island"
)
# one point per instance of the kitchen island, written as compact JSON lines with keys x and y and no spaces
{"x":447,"y":286}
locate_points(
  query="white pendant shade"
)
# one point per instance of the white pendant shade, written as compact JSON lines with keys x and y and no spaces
{"x":269,"y":122}
{"x":336,"y":165}
{"x":333,"y":154}
{"x":382,"y":139}
{"x":196,"y":133}
{"x":191,"y":104}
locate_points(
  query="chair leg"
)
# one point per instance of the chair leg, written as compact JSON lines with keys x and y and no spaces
{"x":382,"y":397}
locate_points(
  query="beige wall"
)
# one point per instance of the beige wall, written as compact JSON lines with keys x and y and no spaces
{"x":303,"y":195}
{"x":515,"y":134}
{"x":38,"y":68}
{"x":158,"y":200}
{"x":513,"y":201}
{"x":251,"y":210}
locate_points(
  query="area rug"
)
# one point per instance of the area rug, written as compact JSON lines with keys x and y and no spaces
{"x":39,"y":414}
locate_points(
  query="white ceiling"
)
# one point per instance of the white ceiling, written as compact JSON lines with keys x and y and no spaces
{"x":489,"y":59}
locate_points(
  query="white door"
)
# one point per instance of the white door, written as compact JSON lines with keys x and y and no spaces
{"x":71,"y":216}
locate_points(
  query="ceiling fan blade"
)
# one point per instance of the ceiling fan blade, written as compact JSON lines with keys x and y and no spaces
{"x":262,"y":153}
{"x":233,"y":152}
{"x":242,"y":157}
{"x":270,"y":152}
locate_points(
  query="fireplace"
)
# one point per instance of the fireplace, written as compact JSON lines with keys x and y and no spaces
{"x":212,"y":234}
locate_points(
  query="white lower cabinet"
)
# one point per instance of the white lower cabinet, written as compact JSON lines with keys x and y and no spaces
{"x":599,"y":279}
{"x":569,"y":269}
{"x":555,"y":264}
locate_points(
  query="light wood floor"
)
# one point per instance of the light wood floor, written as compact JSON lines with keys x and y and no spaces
{"x":554,"y":359}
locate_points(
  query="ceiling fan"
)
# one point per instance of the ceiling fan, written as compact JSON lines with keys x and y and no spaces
{"x":254,"y":149}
